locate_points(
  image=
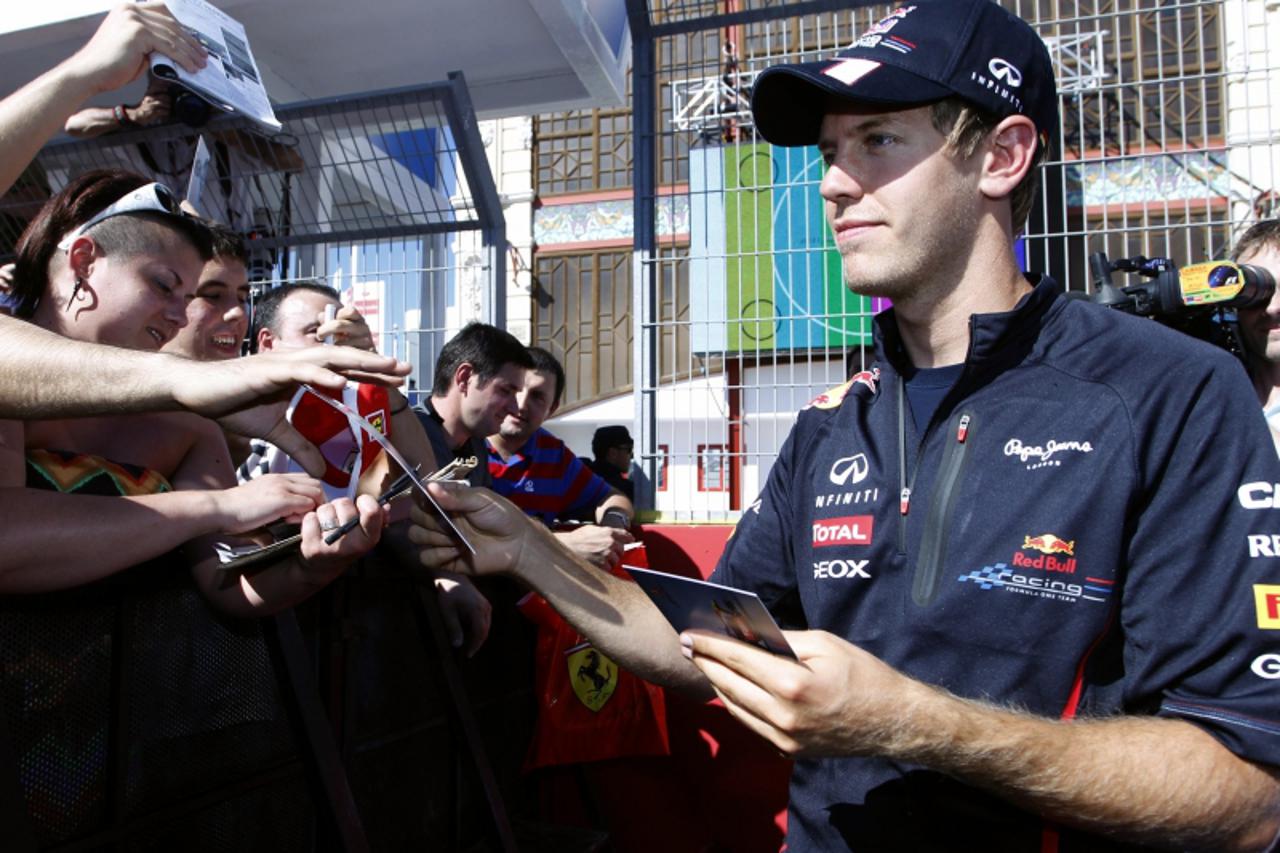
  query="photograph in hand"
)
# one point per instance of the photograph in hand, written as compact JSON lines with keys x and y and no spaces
{"x":690,"y":604}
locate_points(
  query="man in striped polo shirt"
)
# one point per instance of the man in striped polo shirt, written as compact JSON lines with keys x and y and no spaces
{"x":538,"y":473}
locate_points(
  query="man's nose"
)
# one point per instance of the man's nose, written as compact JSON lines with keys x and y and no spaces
{"x":176,"y":311}
{"x":838,"y":183}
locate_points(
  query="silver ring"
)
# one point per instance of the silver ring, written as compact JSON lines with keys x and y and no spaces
{"x":330,"y":525}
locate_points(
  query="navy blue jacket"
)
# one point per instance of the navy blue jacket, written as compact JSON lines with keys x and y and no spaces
{"x":1087,"y":532}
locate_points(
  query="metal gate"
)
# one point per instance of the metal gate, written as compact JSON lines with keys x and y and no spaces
{"x":1165,"y":149}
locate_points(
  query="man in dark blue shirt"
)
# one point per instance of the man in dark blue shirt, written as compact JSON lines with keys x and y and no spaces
{"x":1022,"y":551}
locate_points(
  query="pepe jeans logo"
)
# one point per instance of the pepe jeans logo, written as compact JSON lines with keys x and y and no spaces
{"x":1048,"y":455}
{"x":1002,"y":69}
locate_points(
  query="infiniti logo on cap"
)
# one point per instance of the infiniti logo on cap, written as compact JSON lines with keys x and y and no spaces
{"x":1002,"y":69}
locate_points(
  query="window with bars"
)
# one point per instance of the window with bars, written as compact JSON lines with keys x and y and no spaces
{"x":583,"y":317}
{"x":582,"y":152}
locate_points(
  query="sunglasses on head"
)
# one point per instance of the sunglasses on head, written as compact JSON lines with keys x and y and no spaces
{"x":148,"y":197}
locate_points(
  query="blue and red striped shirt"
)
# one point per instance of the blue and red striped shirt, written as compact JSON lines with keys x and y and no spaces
{"x":546,"y":480}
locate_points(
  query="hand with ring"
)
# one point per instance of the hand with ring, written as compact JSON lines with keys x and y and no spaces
{"x":322,"y":562}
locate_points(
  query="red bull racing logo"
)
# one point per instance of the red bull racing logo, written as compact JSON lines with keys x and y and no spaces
{"x":1052,"y":548}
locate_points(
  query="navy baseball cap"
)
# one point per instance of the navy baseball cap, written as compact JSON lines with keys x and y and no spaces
{"x":920,"y":53}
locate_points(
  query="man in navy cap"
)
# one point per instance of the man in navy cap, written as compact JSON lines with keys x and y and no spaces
{"x":1025,"y":549}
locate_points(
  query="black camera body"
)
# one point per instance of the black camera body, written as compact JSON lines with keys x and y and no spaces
{"x":1199,"y":300}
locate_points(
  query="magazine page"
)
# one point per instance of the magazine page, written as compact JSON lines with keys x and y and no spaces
{"x":230,"y":81}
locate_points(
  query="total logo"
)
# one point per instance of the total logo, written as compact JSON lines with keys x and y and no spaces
{"x":840,"y":569}
{"x":1266,"y":666}
{"x":1259,"y":495}
{"x":1267,"y":599}
{"x":849,"y":530}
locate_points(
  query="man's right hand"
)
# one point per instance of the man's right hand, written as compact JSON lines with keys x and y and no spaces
{"x":500,"y":532}
{"x":599,"y":546}
{"x":117,"y":53}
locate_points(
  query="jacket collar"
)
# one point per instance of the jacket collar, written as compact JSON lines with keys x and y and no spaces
{"x":994,"y":339}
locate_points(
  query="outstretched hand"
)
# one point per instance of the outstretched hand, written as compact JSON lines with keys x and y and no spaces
{"x":117,"y":53}
{"x":267,"y":499}
{"x":500,"y":531}
{"x":249,"y":396}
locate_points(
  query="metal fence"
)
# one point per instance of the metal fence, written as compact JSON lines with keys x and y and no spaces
{"x":1166,"y":148}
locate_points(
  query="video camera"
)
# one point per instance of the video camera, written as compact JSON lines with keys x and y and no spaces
{"x":1199,"y":300}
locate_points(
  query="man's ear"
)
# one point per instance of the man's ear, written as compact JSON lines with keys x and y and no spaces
{"x":266,"y":340}
{"x":1010,"y":155}
{"x":462,"y":376}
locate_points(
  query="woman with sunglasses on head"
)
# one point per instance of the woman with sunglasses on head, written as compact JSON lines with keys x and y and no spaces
{"x":112,"y":260}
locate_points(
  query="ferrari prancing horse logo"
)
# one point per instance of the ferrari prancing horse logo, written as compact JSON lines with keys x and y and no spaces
{"x":592,"y":674}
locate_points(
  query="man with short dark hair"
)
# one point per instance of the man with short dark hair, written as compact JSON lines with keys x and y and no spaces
{"x":612,"y":450}
{"x":1030,"y":550}
{"x":478,"y":374}
{"x":305,"y":314}
{"x":538,"y":473}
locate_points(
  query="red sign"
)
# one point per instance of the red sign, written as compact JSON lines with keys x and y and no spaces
{"x":849,"y":530}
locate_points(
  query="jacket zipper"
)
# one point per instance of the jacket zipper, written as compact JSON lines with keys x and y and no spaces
{"x":924,"y":585}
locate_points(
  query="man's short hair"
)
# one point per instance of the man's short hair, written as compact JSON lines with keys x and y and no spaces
{"x":486,"y":348}
{"x":227,"y":243}
{"x":965,"y":126}
{"x":1262,"y":235}
{"x":545,"y":362}
{"x":266,"y":307}
{"x":607,"y":437}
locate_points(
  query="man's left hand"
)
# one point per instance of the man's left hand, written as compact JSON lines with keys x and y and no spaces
{"x":836,"y":700}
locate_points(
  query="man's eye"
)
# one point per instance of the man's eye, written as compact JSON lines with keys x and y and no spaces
{"x":879,"y":140}
{"x":164,"y":288}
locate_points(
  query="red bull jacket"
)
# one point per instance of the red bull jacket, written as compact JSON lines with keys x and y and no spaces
{"x":1088,"y":526}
